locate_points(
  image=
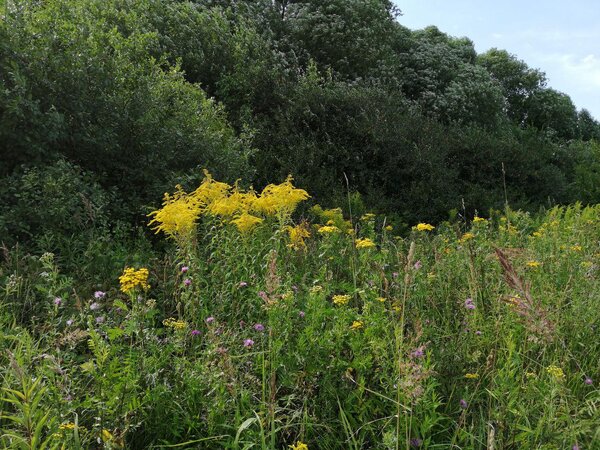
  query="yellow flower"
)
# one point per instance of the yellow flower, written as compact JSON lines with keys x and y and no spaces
{"x":328,"y":229}
{"x":106,"y":435}
{"x":175,"y":324}
{"x":280,"y":199}
{"x":297,"y":235}
{"x":316,"y":289}
{"x":67,"y":426}
{"x":389,"y":228}
{"x":533,"y":264}
{"x":299,"y":446}
{"x":576,"y":248}
{"x":364,"y":243}
{"x":132,"y":278}
{"x":368,"y":216}
{"x":246,"y":222}
{"x":556,"y":372}
{"x":471,"y":376}
{"x":356,"y":325}
{"x":380,"y":299}
{"x":530,"y":375}
{"x":465,"y":237}
{"x":178,"y":215}
{"x":478,"y":219}
{"x":423,"y":227}
{"x":341,"y":299}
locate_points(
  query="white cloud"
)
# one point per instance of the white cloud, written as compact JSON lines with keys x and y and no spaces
{"x":583,"y":70}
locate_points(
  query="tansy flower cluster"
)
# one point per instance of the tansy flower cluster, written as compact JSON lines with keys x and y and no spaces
{"x":364,"y":243}
{"x":556,"y":372}
{"x":341,"y":299}
{"x":175,"y":324}
{"x":423,"y":227}
{"x":132,"y":279}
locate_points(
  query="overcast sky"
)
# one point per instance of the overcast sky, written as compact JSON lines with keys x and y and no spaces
{"x":561,"y":38}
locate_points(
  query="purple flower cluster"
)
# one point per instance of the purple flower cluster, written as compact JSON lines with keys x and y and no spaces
{"x":469,"y":303}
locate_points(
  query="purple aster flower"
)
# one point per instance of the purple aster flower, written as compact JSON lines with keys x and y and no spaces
{"x":418,"y":265}
{"x":463,"y":403}
{"x":95,"y":306}
{"x":99,"y":294}
{"x":418,"y":352}
{"x":478,"y":333}
{"x":575,"y":447}
{"x":243,"y":284}
{"x":415,"y":442}
{"x":469,"y":304}
{"x":588,"y":381}
{"x":195,"y":332}
{"x":187,"y":281}
{"x":263,"y":295}
{"x":69,"y":322}
{"x":259,"y":327}
{"x":395,"y":275}
{"x":248,"y":342}
{"x":184,"y":269}
{"x":100,"y":319}
{"x":301,"y":314}
{"x":58,"y":301}
{"x":210,"y":320}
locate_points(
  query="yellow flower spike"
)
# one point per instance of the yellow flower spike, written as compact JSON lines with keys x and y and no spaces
{"x":576,"y":248}
{"x":389,"y":228}
{"x":533,"y":264}
{"x":380,"y":299}
{"x":471,"y":376}
{"x":297,"y":235}
{"x":246,"y":222}
{"x":477,"y":219}
{"x":423,"y":227}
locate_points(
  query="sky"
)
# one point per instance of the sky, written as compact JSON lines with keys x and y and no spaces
{"x":560,"y":38}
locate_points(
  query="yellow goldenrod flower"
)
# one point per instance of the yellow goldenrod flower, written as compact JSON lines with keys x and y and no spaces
{"x":423,"y":227}
{"x":533,"y":264}
{"x":530,"y":375}
{"x":365,"y":243}
{"x":280,"y":199}
{"x":341,"y":299}
{"x":367,"y":217}
{"x":389,"y":228}
{"x":297,"y":235}
{"x":178,"y":215}
{"x":576,"y":248}
{"x":477,"y":219}
{"x":67,"y":426}
{"x":299,"y":446}
{"x":471,"y":376}
{"x":556,"y":372}
{"x":356,"y":325}
{"x":246,"y":222}
{"x":380,"y":299}
{"x":132,"y":278}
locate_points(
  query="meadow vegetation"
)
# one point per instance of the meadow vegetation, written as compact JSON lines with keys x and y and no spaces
{"x":260,"y":327}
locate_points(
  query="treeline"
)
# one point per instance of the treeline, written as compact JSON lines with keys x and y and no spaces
{"x":105,"y":105}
